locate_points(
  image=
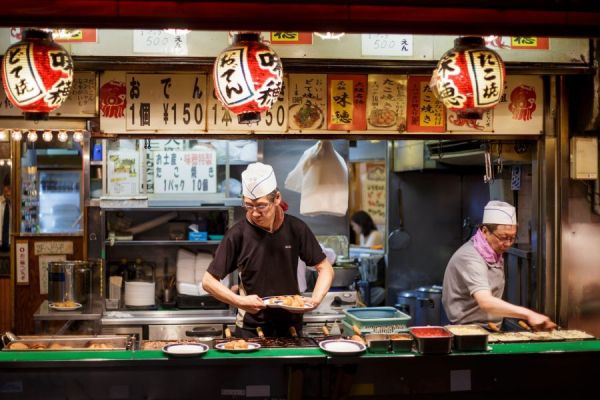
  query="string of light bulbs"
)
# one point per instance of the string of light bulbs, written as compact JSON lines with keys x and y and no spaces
{"x":47,"y":135}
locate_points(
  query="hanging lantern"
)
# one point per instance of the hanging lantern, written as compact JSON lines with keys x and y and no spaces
{"x":37,"y":74}
{"x":248,"y":77}
{"x":469,"y":78}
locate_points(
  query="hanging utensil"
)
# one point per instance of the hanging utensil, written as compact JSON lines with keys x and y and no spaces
{"x":489,"y":171}
{"x":399,"y":238}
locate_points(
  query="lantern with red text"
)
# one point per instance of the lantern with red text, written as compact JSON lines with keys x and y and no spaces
{"x":248,"y":77}
{"x":37,"y":74}
{"x":469,"y":78}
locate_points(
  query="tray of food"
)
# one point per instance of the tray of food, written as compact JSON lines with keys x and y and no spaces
{"x":543,"y":336}
{"x":69,"y":342}
{"x":469,"y":337}
{"x":292,"y":303}
{"x":507,"y":337}
{"x":237,"y":346}
{"x":64,"y":306}
{"x":573,"y":334}
{"x":160,"y":344}
{"x":432,"y":339}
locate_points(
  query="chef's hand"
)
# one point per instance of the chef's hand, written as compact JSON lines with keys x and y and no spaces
{"x":251,"y":303}
{"x":540,"y":322}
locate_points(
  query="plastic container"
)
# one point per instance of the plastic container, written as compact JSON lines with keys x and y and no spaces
{"x":377,"y":319}
{"x":469,"y":337}
{"x":432,"y":339}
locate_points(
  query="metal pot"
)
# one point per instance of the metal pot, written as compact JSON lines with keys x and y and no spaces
{"x":406,"y":301}
{"x":429,"y":306}
{"x":69,"y":280}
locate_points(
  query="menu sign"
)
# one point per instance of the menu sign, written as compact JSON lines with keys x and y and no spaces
{"x":373,"y":193}
{"x":307,"y":101}
{"x":347,"y":102}
{"x":386,"y":103}
{"x":165,"y":102}
{"x":291,"y":37}
{"x":425,"y":112}
{"x":521,"y":108}
{"x":274,"y":120}
{"x":189,"y":171}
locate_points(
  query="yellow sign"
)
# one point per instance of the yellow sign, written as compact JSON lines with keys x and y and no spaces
{"x":342,"y":95}
{"x":432,"y":111}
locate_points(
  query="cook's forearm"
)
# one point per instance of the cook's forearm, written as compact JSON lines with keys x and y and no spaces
{"x":498,"y":307}
{"x":221,"y":292}
{"x":324,"y":280}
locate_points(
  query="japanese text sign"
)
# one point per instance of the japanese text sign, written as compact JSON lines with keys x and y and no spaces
{"x":347,"y":102}
{"x":386,"y":103}
{"x":425,"y":112}
{"x":189,"y":171}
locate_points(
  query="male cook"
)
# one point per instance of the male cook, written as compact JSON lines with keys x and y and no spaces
{"x":264,"y":247}
{"x":474,"y":277}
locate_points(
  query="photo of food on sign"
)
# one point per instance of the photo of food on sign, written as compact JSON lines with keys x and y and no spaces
{"x":382,"y":117}
{"x":307,"y":115}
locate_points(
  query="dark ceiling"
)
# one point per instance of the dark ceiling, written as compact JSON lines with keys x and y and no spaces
{"x":566,"y":18}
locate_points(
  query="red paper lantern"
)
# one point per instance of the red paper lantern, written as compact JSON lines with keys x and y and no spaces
{"x":37,"y":74}
{"x":248,"y":77}
{"x":469,"y":78}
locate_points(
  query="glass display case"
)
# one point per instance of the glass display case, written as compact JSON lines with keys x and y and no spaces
{"x":50,"y":192}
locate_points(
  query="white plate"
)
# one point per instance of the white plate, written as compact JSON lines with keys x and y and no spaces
{"x":185,"y":349}
{"x":342,"y":347}
{"x":52,"y":306}
{"x":251,"y":347}
{"x":277,"y":302}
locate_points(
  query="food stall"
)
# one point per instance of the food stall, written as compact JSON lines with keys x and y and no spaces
{"x":129,"y":216}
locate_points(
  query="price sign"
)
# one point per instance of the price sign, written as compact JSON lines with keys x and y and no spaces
{"x":274,"y":120}
{"x":189,"y":171}
{"x":160,"y":41}
{"x":387,"y":45}
{"x":166,"y":102}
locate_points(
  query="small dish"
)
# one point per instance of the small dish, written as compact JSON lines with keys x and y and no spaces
{"x":342,"y":347}
{"x":56,"y":307}
{"x":251,"y":347}
{"x":185,"y":349}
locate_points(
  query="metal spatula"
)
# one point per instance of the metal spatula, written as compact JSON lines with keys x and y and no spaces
{"x":399,"y":238}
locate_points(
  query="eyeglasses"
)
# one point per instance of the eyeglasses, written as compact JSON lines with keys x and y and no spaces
{"x":260,"y":208}
{"x":508,"y":239}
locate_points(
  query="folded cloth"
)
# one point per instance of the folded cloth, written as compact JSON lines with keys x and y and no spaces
{"x":186,"y":266}
{"x":190,"y":289}
{"x":294,"y":179}
{"x":325,"y":183}
{"x":202,"y":262}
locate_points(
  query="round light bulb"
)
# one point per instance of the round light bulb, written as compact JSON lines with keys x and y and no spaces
{"x":32,"y":136}
{"x":9,"y":162}
{"x":77,"y":136}
{"x":17,"y":135}
{"x":47,"y":136}
{"x":62,"y":136}
{"x":3,"y":136}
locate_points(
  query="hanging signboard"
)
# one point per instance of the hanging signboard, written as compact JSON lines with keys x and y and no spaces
{"x":521,"y":110}
{"x":221,"y":119}
{"x":291,"y":37}
{"x":517,"y":42}
{"x":307,"y":96}
{"x":62,"y":35}
{"x":372,"y":180}
{"x":425,"y":113}
{"x":80,"y":103}
{"x":456,"y":124}
{"x":380,"y":44}
{"x":22,"y":252}
{"x":347,"y":99}
{"x":386,"y":103}
{"x":165,"y":102}
{"x":189,"y":171}
{"x":163,"y":41}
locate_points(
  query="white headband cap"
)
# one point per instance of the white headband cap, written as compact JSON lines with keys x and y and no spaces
{"x":499,"y":212}
{"x":258,"y":180}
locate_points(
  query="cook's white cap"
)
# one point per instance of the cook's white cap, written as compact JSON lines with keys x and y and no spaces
{"x":499,"y":212}
{"x":258,"y":180}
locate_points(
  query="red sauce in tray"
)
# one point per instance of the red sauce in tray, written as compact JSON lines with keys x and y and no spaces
{"x":430,"y":332}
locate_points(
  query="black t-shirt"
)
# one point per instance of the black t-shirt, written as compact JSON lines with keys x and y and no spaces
{"x":267,"y":263}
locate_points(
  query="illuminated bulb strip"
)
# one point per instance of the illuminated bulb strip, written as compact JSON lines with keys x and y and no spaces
{"x":47,"y":136}
{"x":32,"y":136}
{"x":77,"y":136}
{"x":17,"y":135}
{"x":62,"y":136}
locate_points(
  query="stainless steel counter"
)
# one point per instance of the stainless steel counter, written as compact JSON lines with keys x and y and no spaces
{"x":176,"y":317}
